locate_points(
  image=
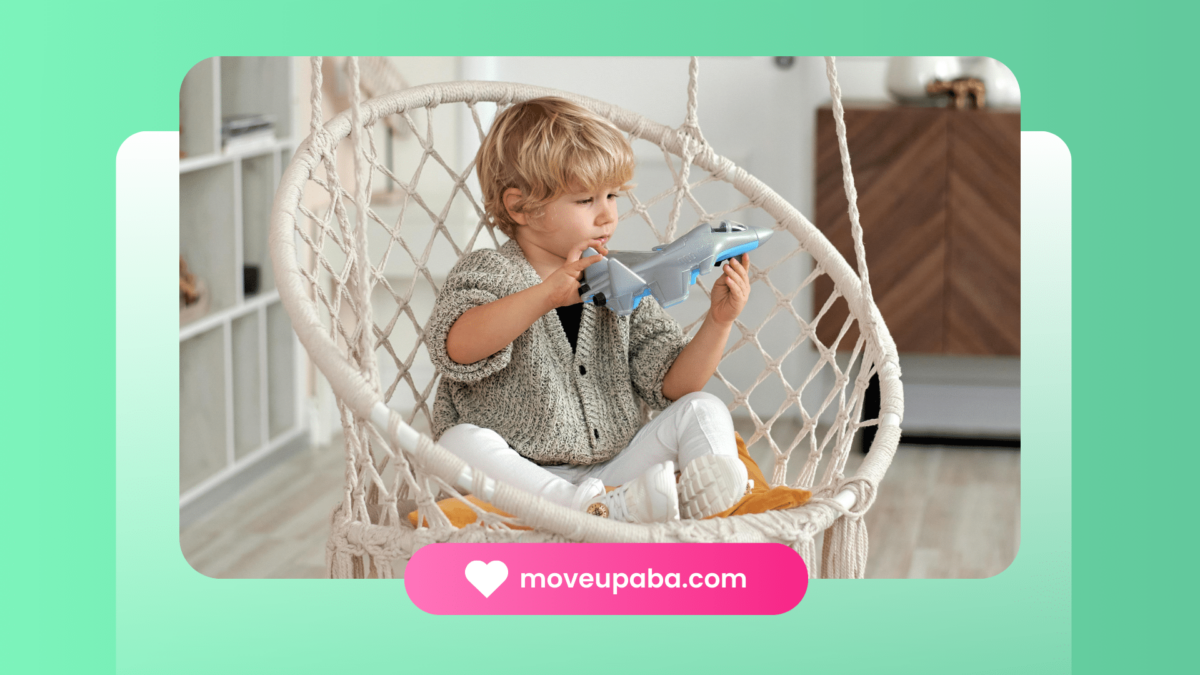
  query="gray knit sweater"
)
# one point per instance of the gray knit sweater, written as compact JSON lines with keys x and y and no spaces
{"x":552,"y":406}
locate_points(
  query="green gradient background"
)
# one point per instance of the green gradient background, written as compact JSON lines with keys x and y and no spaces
{"x":81,"y":80}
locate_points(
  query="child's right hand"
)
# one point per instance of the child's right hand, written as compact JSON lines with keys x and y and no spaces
{"x":562,"y":287}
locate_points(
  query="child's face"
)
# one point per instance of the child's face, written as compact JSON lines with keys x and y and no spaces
{"x":574,"y":217}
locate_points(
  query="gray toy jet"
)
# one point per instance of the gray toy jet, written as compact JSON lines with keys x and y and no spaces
{"x":623,"y":278}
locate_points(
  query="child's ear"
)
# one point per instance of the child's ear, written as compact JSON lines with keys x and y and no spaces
{"x":511,"y":197}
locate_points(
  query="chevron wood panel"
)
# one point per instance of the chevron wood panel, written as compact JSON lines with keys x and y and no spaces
{"x":899,"y":161}
{"x":939,"y":194}
{"x":983,"y":282}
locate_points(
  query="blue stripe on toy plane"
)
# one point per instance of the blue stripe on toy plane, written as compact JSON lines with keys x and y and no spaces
{"x":736,"y":251}
{"x":637,"y":299}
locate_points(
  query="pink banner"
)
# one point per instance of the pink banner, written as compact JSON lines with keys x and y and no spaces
{"x":606,"y":578}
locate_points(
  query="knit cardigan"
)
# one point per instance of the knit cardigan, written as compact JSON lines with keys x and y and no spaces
{"x":551,"y":405}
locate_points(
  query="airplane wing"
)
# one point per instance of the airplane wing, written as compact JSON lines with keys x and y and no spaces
{"x":671,"y":286}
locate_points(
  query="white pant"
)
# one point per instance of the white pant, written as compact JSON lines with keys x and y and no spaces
{"x":697,"y":424}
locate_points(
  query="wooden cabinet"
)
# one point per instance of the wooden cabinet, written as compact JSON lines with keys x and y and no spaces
{"x":940,"y":203}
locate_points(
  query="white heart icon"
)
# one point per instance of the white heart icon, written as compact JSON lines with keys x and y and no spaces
{"x":486,"y":577}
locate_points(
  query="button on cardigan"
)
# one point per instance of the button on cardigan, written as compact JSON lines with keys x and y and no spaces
{"x":551,"y":405}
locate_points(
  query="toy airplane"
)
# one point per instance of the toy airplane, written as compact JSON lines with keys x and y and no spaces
{"x":621,"y":280}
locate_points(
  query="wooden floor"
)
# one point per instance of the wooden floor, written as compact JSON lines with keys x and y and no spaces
{"x":276,"y":528}
{"x":940,"y":513}
{"x":946,"y":513}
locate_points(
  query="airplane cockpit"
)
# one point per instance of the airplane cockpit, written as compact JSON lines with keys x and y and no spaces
{"x":726,"y":226}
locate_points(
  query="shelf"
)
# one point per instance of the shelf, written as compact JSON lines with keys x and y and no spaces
{"x":216,"y":479}
{"x":222,"y":86}
{"x":215,"y":319}
{"x":281,"y":370}
{"x":203,"y":161}
{"x":248,"y":385}
{"x":260,"y":175}
{"x":258,"y":85}
{"x":202,"y":410}
{"x":238,"y":388}
{"x":207,"y":224}
{"x":241,"y":394}
{"x":199,"y":121}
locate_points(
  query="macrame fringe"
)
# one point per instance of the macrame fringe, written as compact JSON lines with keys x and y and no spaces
{"x":844,"y":555}
{"x":808,"y":552}
{"x":383,"y":567}
{"x":343,"y":565}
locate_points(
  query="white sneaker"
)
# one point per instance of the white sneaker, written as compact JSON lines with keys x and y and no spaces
{"x":711,"y":484}
{"x":588,"y":491}
{"x":649,"y":498}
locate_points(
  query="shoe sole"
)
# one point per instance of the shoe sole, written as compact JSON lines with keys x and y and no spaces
{"x":665,"y":485}
{"x":711,"y":484}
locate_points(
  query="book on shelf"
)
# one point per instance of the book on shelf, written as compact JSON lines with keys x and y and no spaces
{"x":246,"y":133}
{"x":238,"y":125}
{"x":262,"y":140}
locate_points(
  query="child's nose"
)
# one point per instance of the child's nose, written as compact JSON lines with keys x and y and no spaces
{"x":609,"y":213}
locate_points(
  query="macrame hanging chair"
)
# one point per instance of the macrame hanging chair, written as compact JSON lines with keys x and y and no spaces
{"x":348,"y":309}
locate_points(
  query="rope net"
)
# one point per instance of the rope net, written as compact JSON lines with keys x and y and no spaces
{"x":373,"y":255}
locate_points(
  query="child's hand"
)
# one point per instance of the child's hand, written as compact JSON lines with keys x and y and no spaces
{"x":562,"y":287}
{"x":731,"y":291}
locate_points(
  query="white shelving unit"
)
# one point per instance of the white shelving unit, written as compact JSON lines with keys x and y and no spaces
{"x":240,"y":366}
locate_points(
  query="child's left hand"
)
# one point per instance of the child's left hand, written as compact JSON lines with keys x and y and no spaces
{"x":732,"y":290}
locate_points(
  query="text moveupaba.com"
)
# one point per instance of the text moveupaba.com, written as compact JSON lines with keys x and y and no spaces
{"x":618,"y":580}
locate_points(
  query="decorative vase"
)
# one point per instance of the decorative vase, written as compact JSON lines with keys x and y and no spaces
{"x":999,"y":82}
{"x":908,"y":75}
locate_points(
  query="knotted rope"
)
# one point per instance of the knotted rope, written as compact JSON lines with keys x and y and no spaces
{"x":693,"y":143}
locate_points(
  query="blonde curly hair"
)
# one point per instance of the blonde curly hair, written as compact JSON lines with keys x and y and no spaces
{"x":545,"y":147}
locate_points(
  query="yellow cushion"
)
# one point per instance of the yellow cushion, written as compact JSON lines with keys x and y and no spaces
{"x":461,"y":515}
{"x":761,"y":498}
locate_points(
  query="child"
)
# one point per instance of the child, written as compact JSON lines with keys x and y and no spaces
{"x":547,"y":400}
